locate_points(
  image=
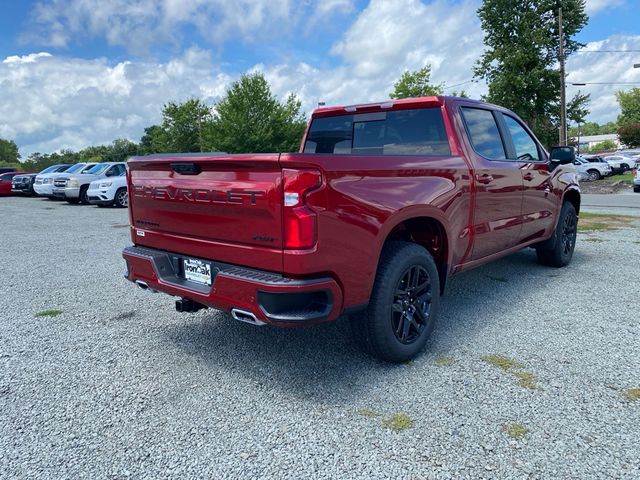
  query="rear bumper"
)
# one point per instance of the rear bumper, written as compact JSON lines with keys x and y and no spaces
{"x":273,"y":298}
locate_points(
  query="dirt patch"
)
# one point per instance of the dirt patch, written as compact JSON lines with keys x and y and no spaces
{"x":613,"y":184}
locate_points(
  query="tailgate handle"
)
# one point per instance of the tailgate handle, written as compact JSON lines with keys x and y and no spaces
{"x":186,"y":168}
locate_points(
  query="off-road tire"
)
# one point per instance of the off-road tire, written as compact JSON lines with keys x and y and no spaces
{"x":558,"y":250}
{"x":379,"y":329}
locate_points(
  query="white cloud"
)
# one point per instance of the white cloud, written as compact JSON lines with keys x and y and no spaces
{"x":140,"y":25}
{"x":594,"y":6}
{"x":48,"y":103}
{"x":52,"y":102}
{"x":604,"y":68}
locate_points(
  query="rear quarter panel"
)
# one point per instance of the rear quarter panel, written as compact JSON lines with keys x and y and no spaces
{"x":363,"y":198}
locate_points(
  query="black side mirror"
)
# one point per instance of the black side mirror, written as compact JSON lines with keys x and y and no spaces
{"x":563,"y":155}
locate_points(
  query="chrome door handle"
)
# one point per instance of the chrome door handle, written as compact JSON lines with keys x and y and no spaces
{"x":484,"y":178}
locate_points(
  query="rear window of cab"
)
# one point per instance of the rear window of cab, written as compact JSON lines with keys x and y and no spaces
{"x":399,"y":132}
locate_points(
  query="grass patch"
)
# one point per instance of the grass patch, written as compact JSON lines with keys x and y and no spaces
{"x":632,"y":394}
{"x":502,"y":362}
{"x":444,"y":361}
{"x":509,"y":365}
{"x":398,"y":422}
{"x":516,"y":430}
{"x":626,"y":179}
{"x":49,"y":313}
{"x":597,"y":222}
{"x":593,"y":239}
{"x":526,"y":380}
{"x":367,"y":412}
{"x":498,"y":279}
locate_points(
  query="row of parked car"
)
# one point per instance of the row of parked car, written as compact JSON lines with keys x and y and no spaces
{"x":101,"y":184}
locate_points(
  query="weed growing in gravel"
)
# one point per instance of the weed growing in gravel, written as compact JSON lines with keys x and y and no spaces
{"x":367,"y":412}
{"x":49,"y":313}
{"x":592,"y":222}
{"x":632,"y":394}
{"x":525,"y":379}
{"x":398,"y":422}
{"x":515,"y":430}
{"x":444,"y":361}
{"x":498,"y":279}
{"x":593,"y":239}
{"x":502,"y":362}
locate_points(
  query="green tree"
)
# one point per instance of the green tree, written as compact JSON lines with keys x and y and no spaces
{"x":577,"y":108}
{"x":9,"y":151}
{"x":461,"y":94}
{"x":183,"y":125}
{"x":520,"y":60}
{"x":629,"y":106}
{"x":604,"y":146}
{"x":629,"y":135}
{"x":416,"y":84}
{"x":251,"y":119}
{"x":154,"y":140}
{"x":120,"y":150}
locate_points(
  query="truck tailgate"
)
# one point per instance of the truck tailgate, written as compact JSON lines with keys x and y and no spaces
{"x":220,"y":207}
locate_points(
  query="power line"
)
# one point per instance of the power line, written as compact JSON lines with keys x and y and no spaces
{"x":458,"y":84}
{"x":580,"y":84}
{"x":607,"y":51}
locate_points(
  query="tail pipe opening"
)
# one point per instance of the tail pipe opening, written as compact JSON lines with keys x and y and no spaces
{"x":247,"y":317}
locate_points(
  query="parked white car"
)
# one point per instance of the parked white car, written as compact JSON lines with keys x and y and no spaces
{"x":109,"y":191}
{"x":43,"y":184}
{"x":619,"y":162}
{"x":594,"y":171}
{"x":73,"y":188}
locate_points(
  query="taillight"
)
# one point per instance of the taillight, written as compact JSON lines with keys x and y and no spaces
{"x":300,"y":222}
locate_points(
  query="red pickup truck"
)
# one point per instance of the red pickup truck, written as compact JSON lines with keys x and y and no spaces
{"x":383,"y":203}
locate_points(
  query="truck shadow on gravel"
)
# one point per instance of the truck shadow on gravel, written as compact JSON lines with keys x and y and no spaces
{"x":323,"y":365}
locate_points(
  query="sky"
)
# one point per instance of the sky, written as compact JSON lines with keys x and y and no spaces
{"x":75,"y":73}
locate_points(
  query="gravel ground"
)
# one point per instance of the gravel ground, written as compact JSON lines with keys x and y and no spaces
{"x":120,"y":385}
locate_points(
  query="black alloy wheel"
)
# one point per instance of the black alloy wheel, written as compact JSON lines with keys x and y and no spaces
{"x":411,"y":307}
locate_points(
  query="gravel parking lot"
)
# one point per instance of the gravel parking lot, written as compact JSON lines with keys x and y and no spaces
{"x":527,"y":376}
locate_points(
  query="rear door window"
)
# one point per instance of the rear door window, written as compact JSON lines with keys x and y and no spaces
{"x":402,"y":132}
{"x":526,"y":148}
{"x":483,"y":133}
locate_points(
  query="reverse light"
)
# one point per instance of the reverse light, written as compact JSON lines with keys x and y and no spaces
{"x":300,"y":221}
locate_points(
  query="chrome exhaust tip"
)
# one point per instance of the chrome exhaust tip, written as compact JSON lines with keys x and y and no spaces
{"x":144,"y":286}
{"x":247,"y":317}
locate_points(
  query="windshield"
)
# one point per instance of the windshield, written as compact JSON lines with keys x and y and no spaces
{"x":52,"y":168}
{"x":98,"y":168}
{"x":74,"y":168}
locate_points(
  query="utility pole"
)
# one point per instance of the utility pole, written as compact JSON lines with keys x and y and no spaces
{"x":563,"y":93}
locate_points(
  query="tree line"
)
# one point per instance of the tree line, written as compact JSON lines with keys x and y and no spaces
{"x":519,"y":64}
{"x":249,"y":118}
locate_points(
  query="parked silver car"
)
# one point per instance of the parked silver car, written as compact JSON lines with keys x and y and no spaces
{"x":593,"y":171}
{"x":73,"y":188}
{"x":620,"y":163}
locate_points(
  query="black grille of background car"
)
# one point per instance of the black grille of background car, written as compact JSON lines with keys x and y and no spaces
{"x":62,"y":182}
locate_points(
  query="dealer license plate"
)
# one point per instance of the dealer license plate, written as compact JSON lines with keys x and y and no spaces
{"x":197,"y":271}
